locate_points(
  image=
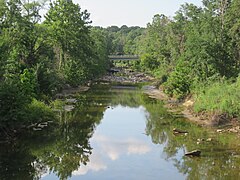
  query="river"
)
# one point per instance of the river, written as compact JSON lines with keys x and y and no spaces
{"x":118,"y":132}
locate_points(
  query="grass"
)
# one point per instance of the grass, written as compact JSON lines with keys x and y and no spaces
{"x":222,"y":97}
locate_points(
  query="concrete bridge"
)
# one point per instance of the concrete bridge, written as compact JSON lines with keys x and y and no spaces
{"x":123,"y":57}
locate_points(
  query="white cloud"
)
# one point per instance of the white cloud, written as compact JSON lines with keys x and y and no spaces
{"x":95,"y":164}
{"x":137,"y":147}
{"x":113,"y":148}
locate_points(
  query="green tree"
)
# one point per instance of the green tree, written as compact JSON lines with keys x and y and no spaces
{"x":100,"y":51}
{"x":69,"y":31}
{"x":156,"y":42}
{"x":233,"y":25}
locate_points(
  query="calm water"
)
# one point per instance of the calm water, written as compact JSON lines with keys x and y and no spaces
{"x":119,"y":133}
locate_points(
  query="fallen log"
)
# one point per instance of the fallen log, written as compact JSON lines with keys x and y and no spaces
{"x":193,"y":153}
{"x":178,"y":131}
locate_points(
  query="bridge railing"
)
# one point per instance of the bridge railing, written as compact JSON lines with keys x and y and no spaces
{"x":123,"y":57}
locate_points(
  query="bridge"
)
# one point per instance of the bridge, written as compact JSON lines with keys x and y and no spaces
{"x":123,"y":57}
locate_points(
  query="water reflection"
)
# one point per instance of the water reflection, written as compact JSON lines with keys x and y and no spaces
{"x":220,"y":157}
{"x":113,"y":148}
{"x":119,"y":134}
{"x":96,"y":164}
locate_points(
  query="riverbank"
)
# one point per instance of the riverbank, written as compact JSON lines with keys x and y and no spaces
{"x":220,"y":122}
{"x":123,"y":122}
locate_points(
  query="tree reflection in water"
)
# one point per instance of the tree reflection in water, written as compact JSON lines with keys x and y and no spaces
{"x":61,"y":148}
{"x":220,"y":157}
{"x":64,"y":147}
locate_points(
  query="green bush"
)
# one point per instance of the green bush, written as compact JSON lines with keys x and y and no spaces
{"x":149,"y":62}
{"x":37,"y":112}
{"x":12,"y":103}
{"x":75,"y":73}
{"x":28,"y":80}
{"x":162,"y":73}
{"x":179,"y":82}
{"x":18,"y":109}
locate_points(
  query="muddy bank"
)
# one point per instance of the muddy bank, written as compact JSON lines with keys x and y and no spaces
{"x":220,"y":122}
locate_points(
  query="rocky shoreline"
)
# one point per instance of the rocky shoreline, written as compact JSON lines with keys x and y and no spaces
{"x":120,"y":75}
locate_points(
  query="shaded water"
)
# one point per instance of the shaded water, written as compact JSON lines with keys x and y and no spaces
{"x":120,"y":133}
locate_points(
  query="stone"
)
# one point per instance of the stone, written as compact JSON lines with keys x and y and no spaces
{"x":220,"y":130}
{"x":209,"y":139}
{"x":178,"y":131}
{"x":71,"y":100}
{"x":37,"y":129}
{"x":68,"y":107}
{"x":193,"y":153}
{"x":233,"y":130}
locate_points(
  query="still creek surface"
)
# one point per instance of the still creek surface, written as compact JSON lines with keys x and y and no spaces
{"x":117,"y":132}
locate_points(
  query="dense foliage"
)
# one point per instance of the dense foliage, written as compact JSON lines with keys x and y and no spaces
{"x":123,"y":40}
{"x":192,"y":53}
{"x":197,"y":48}
{"x":192,"y":48}
{"x":38,"y":58}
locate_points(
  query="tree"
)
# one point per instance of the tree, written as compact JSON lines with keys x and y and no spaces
{"x":69,"y":31}
{"x":100,"y":51}
{"x":233,"y":26}
{"x":154,"y":47}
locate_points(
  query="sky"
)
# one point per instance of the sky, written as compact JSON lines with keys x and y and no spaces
{"x":129,"y":12}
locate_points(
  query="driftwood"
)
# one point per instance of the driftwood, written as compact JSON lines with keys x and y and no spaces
{"x":178,"y":131}
{"x":37,"y":126}
{"x":113,"y":70}
{"x":193,"y":153}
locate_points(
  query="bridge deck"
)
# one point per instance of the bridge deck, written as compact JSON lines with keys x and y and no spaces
{"x":123,"y":57}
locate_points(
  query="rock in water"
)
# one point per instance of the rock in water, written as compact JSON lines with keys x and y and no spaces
{"x":193,"y":153}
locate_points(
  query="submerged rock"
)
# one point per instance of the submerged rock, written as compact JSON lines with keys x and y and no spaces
{"x":71,"y":100}
{"x":68,"y":107}
{"x":193,"y":153}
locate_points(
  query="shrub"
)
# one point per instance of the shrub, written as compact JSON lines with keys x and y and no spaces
{"x":19,"y":109}
{"x":179,"y":82}
{"x":37,"y":112}
{"x":28,"y":82}
{"x":12,"y":103}
{"x":149,"y":62}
